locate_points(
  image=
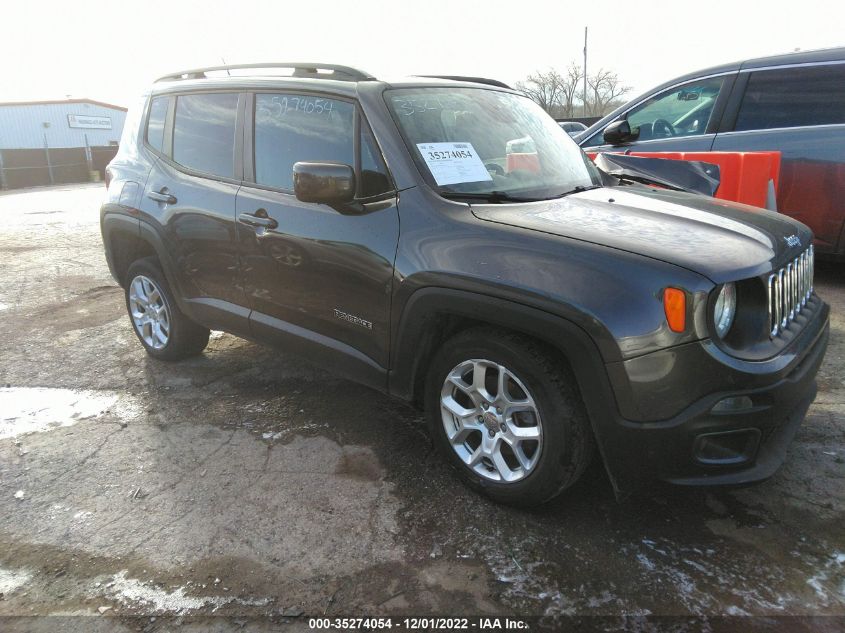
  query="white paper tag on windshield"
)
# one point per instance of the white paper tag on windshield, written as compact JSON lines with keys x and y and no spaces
{"x":452,"y":163}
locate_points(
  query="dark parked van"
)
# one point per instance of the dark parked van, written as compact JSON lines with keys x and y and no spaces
{"x":793,"y":103}
{"x":445,"y":241}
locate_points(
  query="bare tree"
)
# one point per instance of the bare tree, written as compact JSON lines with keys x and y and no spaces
{"x":561,"y":95}
{"x":605,"y":88}
{"x":544,"y":88}
{"x":569,"y":89}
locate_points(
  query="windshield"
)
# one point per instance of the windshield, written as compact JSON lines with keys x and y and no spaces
{"x":477,"y":141}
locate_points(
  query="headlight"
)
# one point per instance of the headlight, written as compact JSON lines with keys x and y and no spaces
{"x":725,"y":309}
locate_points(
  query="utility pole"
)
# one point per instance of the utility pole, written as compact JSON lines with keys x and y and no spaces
{"x":89,"y":158}
{"x":49,"y":164}
{"x":585,"y":71}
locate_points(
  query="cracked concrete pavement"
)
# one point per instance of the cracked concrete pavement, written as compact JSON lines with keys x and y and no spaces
{"x":245,"y":482}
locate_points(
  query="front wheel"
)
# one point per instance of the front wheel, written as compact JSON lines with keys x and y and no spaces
{"x":507,"y":415}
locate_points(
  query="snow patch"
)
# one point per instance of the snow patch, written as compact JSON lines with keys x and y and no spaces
{"x":270,"y":435}
{"x":643,"y":560}
{"x":822,"y":583}
{"x":11,"y":580}
{"x":132,"y":592}
{"x":37,"y":409}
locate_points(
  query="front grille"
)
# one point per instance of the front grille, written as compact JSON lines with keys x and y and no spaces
{"x":788,"y":291}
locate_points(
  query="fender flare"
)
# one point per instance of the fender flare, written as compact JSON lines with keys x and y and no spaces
{"x":113,"y":222}
{"x":416,"y":332}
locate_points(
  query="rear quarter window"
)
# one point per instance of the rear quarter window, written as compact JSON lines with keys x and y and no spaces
{"x":793,"y":97}
{"x":155,"y":122}
{"x":132,"y":125}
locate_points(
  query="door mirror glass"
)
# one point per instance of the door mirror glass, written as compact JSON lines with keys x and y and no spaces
{"x":620,"y":132}
{"x":326,"y":183}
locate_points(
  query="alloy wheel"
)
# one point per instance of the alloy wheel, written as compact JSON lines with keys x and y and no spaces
{"x":491,"y":420}
{"x":149,"y":311}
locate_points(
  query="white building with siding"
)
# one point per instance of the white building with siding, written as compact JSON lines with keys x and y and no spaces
{"x":48,"y":142}
{"x":65,"y":123}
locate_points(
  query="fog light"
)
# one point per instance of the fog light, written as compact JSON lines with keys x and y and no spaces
{"x":733,"y":404}
{"x":733,"y":447}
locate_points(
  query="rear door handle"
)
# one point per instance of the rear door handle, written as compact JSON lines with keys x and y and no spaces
{"x":258,"y":219}
{"x":162,"y":196}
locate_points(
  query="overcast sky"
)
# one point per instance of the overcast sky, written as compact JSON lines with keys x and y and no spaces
{"x":109,"y":50}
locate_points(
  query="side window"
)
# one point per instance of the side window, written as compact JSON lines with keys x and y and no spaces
{"x":204,"y":132}
{"x":133,"y":125}
{"x":155,"y":122}
{"x":793,"y":97}
{"x":680,"y":111}
{"x":291,"y":128}
{"x":374,"y":178}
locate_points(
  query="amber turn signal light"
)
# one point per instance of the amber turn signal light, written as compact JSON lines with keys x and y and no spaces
{"x":675,"y":307}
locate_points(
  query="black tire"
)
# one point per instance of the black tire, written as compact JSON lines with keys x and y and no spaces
{"x":186,"y":338}
{"x":567,"y":439}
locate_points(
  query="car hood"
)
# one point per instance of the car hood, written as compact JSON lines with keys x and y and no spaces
{"x":724,"y":241}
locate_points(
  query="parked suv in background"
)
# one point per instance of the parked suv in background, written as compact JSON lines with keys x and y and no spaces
{"x":446,"y":242}
{"x":794,"y":104}
{"x":572,"y":127}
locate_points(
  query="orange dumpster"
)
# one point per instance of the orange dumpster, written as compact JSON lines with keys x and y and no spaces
{"x":744,"y":176}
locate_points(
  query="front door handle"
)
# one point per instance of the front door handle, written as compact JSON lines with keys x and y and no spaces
{"x":162,"y":196}
{"x":258,"y":219}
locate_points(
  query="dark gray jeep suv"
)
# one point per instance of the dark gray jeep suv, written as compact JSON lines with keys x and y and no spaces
{"x":444,"y":241}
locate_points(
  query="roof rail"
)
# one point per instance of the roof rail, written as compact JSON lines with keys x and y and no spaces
{"x":300,"y":69}
{"x":476,"y":80}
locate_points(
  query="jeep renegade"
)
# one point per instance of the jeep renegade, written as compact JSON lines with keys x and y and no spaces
{"x":443,"y":240}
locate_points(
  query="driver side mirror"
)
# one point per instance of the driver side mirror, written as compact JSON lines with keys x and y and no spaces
{"x":326,"y":183}
{"x":620,"y":132}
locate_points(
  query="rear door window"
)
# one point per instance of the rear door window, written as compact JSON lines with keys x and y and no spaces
{"x":793,"y":97}
{"x":204,"y":132}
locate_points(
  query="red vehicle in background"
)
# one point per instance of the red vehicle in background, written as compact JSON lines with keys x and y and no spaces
{"x":793,"y":104}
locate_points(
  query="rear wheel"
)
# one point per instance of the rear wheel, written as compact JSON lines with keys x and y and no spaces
{"x":164,"y":331}
{"x":507,"y":415}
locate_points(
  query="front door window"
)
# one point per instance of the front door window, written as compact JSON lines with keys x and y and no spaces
{"x":290,"y":128}
{"x":681,"y":111}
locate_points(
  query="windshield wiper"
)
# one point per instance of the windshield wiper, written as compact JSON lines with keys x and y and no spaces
{"x":495,"y":197}
{"x":577,"y":189}
{"x":501,"y":196}
{"x":645,"y":180}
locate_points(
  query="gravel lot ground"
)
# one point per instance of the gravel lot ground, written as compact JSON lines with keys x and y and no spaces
{"x":247,"y":483}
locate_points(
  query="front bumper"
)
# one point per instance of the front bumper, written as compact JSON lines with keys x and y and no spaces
{"x":702,"y":446}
